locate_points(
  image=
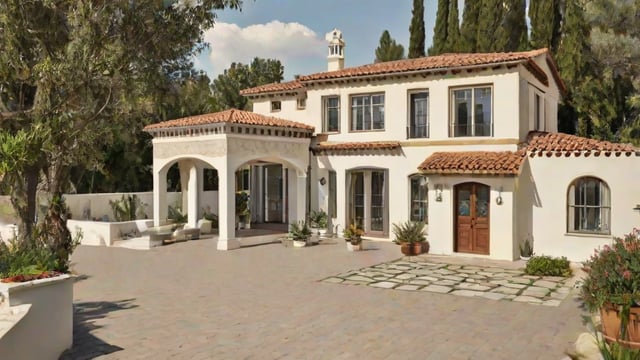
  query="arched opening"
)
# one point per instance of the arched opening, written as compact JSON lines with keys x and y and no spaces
{"x":589,"y":206}
{"x":471,"y":214}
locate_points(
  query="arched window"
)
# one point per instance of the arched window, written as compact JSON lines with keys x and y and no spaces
{"x":589,"y":206}
{"x":419,"y":205}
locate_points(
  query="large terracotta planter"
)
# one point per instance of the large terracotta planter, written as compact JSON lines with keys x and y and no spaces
{"x":610,"y":319}
{"x":416,"y":248}
{"x":406,"y":249}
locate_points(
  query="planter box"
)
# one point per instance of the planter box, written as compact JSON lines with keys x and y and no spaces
{"x":610,"y":320}
{"x":46,"y":329}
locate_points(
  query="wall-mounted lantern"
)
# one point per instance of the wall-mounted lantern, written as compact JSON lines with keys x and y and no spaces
{"x":499,"y":198}
{"x":323,"y":181}
{"x":439,"y":192}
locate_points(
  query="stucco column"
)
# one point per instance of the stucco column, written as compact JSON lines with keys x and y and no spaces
{"x":192,"y":196}
{"x":184,"y":167}
{"x":297,"y":195}
{"x":159,"y":196}
{"x":227,"y":210}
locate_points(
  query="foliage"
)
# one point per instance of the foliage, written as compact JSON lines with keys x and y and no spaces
{"x":613,"y":275}
{"x":440,"y":30}
{"x":469,"y":26}
{"x":53,"y":231}
{"x":512,"y":34}
{"x":175,"y":213}
{"x":453,"y":43}
{"x":299,"y":231}
{"x":409,"y":232}
{"x":490,"y":19}
{"x":318,"y":219}
{"x":548,"y":266}
{"x":388,"y":49}
{"x":25,"y":258}
{"x":526,"y":248}
{"x":416,"y":30}
{"x":128,"y":208}
{"x":545,"y":20}
{"x":211,"y":217}
{"x":226,"y":87}
{"x":353,"y":234}
{"x":242,"y":204}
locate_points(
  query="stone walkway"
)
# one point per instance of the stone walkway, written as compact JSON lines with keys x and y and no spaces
{"x":494,"y":283}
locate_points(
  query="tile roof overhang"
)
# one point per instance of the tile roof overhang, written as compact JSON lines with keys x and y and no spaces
{"x":559,"y":144}
{"x":354,"y":147}
{"x":506,"y":163}
{"x":198,"y":123}
{"x":274,"y":88}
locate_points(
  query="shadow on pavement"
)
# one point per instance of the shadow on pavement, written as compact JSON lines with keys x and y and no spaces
{"x":85,"y":344}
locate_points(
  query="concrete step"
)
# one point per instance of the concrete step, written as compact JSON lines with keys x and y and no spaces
{"x":138,"y":243}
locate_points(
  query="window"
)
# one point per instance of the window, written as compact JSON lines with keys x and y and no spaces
{"x":539,"y":111}
{"x":589,"y":206}
{"x":419,"y":115}
{"x":419,"y":200}
{"x":210,"y":180}
{"x":276,"y":105}
{"x":301,"y":103}
{"x":367,"y":197}
{"x":471,"y":112}
{"x":333,"y":194}
{"x":367,"y":112}
{"x":331,"y":114}
{"x":242,"y":179}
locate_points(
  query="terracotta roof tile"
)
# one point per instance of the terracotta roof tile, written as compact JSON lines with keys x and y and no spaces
{"x":229,"y":116}
{"x":559,"y":144}
{"x":440,"y":62}
{"x":342,"y":146}
{"x":273,"y":87}
{"x":473,"y":162}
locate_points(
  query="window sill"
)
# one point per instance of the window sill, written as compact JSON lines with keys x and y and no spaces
{"x":586,"y":234}
{"x":366,"y":131}
{"x":329,"y":133}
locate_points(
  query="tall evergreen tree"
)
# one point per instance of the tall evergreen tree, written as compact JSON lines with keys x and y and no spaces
{"x":416,"y":30}
{"x":512,"y":34}
{"x":441,"y":28}
{"x":545,"y":19}
{"x":388,"y":49}
{"x":490,"y":20}
{"x":469,"y":27}
{"x":453,"y":28}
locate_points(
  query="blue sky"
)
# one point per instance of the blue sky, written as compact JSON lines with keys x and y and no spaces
{"x":293,"y":31}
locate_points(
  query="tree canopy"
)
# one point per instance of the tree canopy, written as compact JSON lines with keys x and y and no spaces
{"x":417,"y":31}
{"x":388,"y":49}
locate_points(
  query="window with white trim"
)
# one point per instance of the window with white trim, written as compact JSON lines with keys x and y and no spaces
{"x":276,"y":105}
{"x":589,"y":206}
{"x":419,"y":205}
{"x":471,"y":112}
{"x":418,"y":115}
{"x":301,"y":103}
{"x":331,"y":114}
{"x":367,"y":112}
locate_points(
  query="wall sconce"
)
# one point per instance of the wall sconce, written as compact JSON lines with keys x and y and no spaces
{"x":439,"y":192}
{"x":499,"y":198}
{"x":637,"y":208}
{"x":323,"y":181}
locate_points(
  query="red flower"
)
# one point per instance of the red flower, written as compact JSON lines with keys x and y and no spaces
{"x":626,"y":274}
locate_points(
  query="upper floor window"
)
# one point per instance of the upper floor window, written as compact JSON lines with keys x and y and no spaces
{"x":331,"y":114}
{"x":418,"y":115}
{"x":539,"y":112}
{"x":589,"y":206}
{"x":276,"y":105}
{"x":471,"y":113}
{"x":301,"y":103}
{"x":367,"y":112}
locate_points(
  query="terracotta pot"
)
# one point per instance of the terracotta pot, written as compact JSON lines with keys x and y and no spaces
{"x":406,"y":249}
{"x":425,"y":247}
{"x":610,"y":319}
{"x":416,"y":248}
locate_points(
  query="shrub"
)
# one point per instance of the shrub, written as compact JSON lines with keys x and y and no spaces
{"x":409,"y":231}
{"x":318,"y":219}
{"x":299,"y":231}
{"x":353,"y":233}
{"x":548,"y":266}
{"x":128,"y":208}
{"x":613,"y":275}
{"x":176,"y":214}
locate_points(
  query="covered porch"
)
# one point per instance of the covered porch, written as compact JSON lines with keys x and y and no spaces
{"x":260,"y":159}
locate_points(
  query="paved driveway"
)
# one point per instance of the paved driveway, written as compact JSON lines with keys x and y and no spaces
{"x":190,"y":301}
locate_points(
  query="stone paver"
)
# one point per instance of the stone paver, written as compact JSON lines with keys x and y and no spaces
{"x":190,"y":301}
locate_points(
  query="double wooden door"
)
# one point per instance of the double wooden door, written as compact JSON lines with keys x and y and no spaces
{"x":472,"y":218}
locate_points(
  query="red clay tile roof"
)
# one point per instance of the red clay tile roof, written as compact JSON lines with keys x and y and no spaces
{"x":558,"y":144}
{"x":440,"y":62}
{"x":273,"y":87}
{"x":473,"y":162}
{"x":372,"y":145}
{"x":229,"y":116}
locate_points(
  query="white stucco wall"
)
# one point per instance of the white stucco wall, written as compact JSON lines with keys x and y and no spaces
{"x":552,"y":177}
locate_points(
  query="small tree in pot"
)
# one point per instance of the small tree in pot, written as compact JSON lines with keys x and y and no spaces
{"x":353,"y":236}
{"x":318,"y":221}
{"x":410,"y":236}
{"x":300,"y":233}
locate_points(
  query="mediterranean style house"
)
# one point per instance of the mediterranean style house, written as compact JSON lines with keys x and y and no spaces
{"x":467,"y":143}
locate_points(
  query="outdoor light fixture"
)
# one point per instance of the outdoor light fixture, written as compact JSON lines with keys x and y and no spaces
{"x":439,"y":192}
{"x":499,"y":198}
{"x":323,"y":181}
{"x":637,"y":208}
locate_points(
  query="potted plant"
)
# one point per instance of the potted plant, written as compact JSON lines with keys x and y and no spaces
{"x":410,"y":236}
{"x":243,"y":212}
{"x":353,"y":236}
{"x":526,"y":249}
{"x":611,"y":287}
{"x":300,"y":233}
{"x":318,"y":221}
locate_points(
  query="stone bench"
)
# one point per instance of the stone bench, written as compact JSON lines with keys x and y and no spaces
{"x":186,"y":234}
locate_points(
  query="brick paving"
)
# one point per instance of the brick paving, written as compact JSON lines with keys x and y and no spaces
{"x":190,"y":301}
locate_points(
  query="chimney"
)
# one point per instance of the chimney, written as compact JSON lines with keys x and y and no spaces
{"x":335,"y":59}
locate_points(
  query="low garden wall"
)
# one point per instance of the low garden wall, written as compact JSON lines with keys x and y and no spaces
{"x":105,"y":233}
{"x":40,"y":316}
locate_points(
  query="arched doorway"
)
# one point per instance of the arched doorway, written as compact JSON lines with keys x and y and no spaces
{"x":471,"y":213}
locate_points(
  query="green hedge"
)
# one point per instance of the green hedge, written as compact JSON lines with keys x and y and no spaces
{"x":548,"y":266}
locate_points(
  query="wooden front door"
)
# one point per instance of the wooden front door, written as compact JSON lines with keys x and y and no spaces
{"x":472,"y":218}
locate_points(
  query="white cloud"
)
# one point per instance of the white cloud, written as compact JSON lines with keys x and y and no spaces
{"x":290,"y":43}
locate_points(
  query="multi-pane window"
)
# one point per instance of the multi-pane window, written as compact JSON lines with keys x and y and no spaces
{"x":419,"y":115}
{"x":242,"y":179}
{"x":471,"y":113}
{"x":276,"y":105}
{"x":367,"y":196}
{"x":331,"y":114}
{"x":333,"y":194}
{"x":589,"y":206}
{"x":367,"y":112}
{"x":419,"y":198}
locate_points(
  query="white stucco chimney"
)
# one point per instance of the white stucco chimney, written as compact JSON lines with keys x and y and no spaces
{"x":335,"y":59}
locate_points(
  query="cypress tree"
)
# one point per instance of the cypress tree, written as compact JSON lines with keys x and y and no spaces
{"x":416,"y":30}
{"x":545,"y":24}
{"x":490,"y":21}
{"x":388,"y":49}
{"x":469,"y":27}
{"x":453,"y":28}
{"x":513,"y":32}
{"x":440,"y":30}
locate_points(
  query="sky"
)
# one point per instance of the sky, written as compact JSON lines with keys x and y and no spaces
{"x":293,"y":32}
